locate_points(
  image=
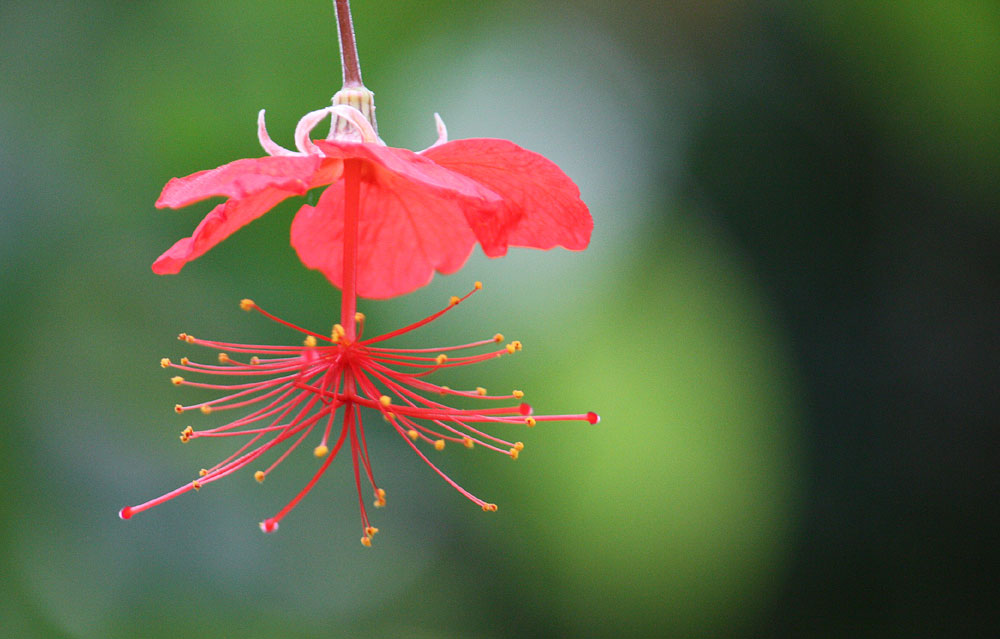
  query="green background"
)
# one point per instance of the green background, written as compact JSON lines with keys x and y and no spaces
{"x":786,"y":319}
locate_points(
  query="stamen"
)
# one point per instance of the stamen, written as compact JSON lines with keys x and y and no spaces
{"x":294,"y":388}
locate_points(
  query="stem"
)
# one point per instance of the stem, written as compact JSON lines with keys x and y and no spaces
{"x":349,"y":286}
{"x":348,"y":49}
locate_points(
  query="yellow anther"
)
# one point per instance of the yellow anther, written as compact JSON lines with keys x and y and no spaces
{"x":413,"y":434}
{"x":498,"y":338}
{"x":177,"y":380}
{"x":366,"y":542}
{"x":370,"y":531}
{"x":254,"y":360}
{"x":165,"y":362}
{"x":379,"y":498}
{"x":480,"y":391}
{"x":513,"y":452}
{"x":337,"y":333}
{"x":479,"y":286}
{"x":454,"y":300}
{"x":490,"y":508}
{"x":205,"y":410}
{"x":519,"y":445}
{"x":439,"y":444}
{"x":309,"y":341}
{"x":178,"y":408}
{"x":385,"y":400}
{"x":202,"y":472}
{"x":247,"y":304}
{"x":510,"y":348}
{"x":444,"y":390}
{"x":224,"y":359}
{"x":182,"y":337}
{"x":359,"y":317}
{"x":441,"y":359}
{"x":259,"y":476}
{"x":518,"y":394}
{"x":185,"y":361}
{"x":530,"y":421}
{"x":196,"y":485}
{"x":467,"y":442}
{"x":320,"y":451}
{"x":186,"y":434}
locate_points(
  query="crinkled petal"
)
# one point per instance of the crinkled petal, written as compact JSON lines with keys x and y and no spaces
{"x":249,"y":176}
{"x":219,"y":224}
{"x":406,"y":232}
{"x":403,"y":164}
{"x":542,"y":206}
{"x":254,"y":187}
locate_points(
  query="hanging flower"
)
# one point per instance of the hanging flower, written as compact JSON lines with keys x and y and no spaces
{"x":386,"y":221}
{"x":316,"y":392}
{"x":421,"y":212}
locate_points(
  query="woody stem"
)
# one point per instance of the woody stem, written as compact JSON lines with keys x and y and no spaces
{"x":352,"y":197}
{"x":348,"y":49}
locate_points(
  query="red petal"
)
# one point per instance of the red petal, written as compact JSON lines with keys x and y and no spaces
{"x":219,"y":224}
{"x":392,"y":164}
{"x":542,"y":204}
{"x":245,"y":177}
{"x":406,"y":232}
{"x":254,"y":187}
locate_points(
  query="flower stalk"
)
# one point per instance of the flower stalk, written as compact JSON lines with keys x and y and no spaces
{"x":349,"y":63}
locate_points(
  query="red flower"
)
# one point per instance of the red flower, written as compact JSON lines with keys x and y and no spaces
{"x":296,"y":390}
{"x":420,"y":212}
{"x":387,"y":219}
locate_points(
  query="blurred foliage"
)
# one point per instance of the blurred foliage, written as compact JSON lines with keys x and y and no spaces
{"x":784,"y":320}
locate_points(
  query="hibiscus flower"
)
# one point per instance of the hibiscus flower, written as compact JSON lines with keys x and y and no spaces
{"x":420,"y":212}
{"x":386,"y":221}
